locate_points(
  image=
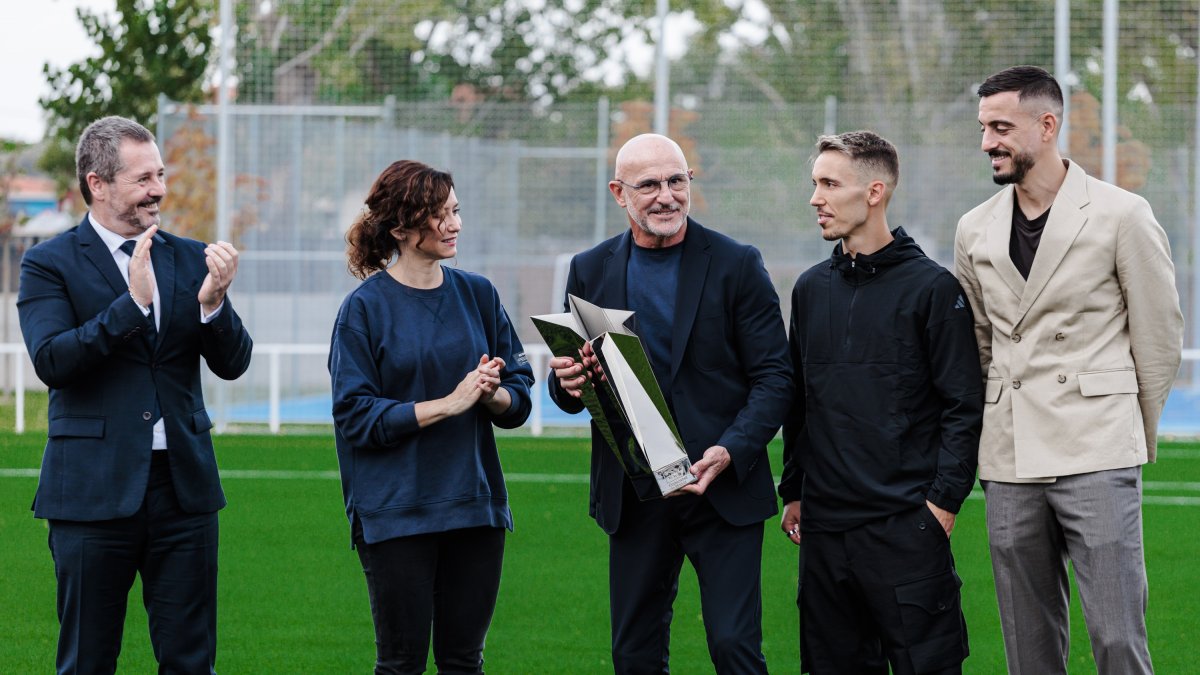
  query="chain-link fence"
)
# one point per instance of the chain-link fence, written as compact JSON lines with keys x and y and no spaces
{"x":526,"y":101}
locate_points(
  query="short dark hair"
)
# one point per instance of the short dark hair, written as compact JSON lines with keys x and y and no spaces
{"x":405,"y":198}
{"x":1030,"y":82}
{"x":99,"y":149}
{"x":873,"y":155}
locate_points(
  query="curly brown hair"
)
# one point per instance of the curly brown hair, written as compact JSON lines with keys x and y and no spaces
{"x":407,"y":196}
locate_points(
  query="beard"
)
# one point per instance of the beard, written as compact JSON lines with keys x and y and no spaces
{"x":1021,"y":164}
{"x":645,"y":226}
{"x":133,"y":217}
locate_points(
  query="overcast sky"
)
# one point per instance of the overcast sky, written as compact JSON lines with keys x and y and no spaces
{"x":33,"y":32}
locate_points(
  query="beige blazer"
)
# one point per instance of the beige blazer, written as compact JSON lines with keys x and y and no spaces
{"x":1080,"y":357}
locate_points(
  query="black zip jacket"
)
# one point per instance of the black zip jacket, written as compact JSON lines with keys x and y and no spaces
{"x":889,"y":397}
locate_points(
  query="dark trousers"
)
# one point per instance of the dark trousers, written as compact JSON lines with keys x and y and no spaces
{"x":645,"y":556}
{"x":176,"y":555}
{"x":884,"y":592}
{"x":444,"y":580}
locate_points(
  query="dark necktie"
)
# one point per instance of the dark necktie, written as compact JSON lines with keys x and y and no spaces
{"x":152,"y":333}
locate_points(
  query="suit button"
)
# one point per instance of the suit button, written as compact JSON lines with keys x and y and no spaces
{"x":1060,"y":337}
{"x":1016,"y":337}
{"x":1016,"y":384}
{"x":1062,"y":379}
{"x":146,"y":416}
{"x":921,"y":525}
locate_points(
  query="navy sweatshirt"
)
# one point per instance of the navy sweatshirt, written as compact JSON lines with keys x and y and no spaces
{"x":392,"y":347}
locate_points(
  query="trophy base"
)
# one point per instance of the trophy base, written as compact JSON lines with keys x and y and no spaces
{"x":674,"y":475}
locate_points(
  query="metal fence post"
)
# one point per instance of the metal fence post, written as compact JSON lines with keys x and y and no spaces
{"x":19,"y":388}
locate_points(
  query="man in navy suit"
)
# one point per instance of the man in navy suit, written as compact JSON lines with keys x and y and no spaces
{"x":116,"y":316}
{"x":709,"y":317}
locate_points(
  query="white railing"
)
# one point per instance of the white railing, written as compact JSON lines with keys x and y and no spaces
{"x":538,"y":354}
{"x":18,"y":359}
{"x":273,"y":352}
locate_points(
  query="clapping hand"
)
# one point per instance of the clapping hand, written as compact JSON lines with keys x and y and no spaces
{"x":141,"y":275}
{"x":222,"y":261}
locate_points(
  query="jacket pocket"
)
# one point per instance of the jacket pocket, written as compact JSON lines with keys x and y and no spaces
{"x":76,"y":427}
{"x":201,"y":422}
{"x":1105,"y":382}
{"x":992,"y":389}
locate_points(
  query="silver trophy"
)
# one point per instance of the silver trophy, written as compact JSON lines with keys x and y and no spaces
{"x":645,"y":440}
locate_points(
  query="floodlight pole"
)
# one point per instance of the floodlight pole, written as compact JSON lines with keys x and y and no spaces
{"x":1195,"y":265}
{"x":224,"y":142}
{"x":1108,"y":112}
{"x":603,"y":119}
{"x":661,"y":84}
{"x":1062,"y":68}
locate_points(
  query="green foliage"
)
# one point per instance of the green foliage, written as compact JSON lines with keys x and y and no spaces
{"x":58,"y":161}
{"x":353,"y":51}
{"x":1158,"y":52}
{"x":148,"y":48}
{"x":886,"y":53}
{"x":346,"y":51}
{"x":8,"y":145}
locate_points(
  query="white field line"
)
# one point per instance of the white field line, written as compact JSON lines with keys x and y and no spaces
{"x":582,"y":478}
{"x":1178,"y":453}
{"x":1159,"y":500}
{"x":277,"y":474}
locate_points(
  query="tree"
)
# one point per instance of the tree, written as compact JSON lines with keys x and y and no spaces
{"x":352,"y":51}
{"x":8,"y":170}
{"x":193,"y":211}
{"x":57,"y":160}
{"x":147,"y":48}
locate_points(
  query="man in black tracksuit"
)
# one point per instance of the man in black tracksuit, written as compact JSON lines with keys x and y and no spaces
{"x":880,"y":447}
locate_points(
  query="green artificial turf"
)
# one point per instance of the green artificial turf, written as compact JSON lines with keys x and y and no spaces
{"x":292,"y":597}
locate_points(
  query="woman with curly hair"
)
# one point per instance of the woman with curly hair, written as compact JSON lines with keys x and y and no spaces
{"x":424,"y":361}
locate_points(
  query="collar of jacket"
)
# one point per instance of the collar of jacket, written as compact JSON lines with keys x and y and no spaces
{"x":863,"y":267}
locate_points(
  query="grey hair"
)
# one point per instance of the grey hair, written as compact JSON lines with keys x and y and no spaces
{"x":99,"y":149}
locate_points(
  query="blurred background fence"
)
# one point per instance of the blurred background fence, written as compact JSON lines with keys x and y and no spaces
{"x":526,"y":102}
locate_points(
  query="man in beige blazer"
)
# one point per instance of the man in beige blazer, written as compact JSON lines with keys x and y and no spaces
{"x":1080,"y":335}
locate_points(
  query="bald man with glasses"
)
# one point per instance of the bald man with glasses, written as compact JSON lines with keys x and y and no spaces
{"x":709,"y":317}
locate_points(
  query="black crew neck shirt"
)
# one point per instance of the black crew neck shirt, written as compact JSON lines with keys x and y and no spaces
{"x":1025,"y":237}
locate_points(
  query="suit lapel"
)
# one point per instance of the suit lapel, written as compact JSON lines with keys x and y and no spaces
{"x":162,"y":254}
{"x":612,"y":280}
{"x":1062,"y":227}
{"x":94,"y":250}
{"x":693,"y":269}
{"x":999,"y":234}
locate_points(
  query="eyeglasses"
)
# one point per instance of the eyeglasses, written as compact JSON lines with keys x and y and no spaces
{"x":678,"y":183}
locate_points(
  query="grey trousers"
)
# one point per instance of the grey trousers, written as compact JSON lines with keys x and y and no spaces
{"x":1095,"y":521}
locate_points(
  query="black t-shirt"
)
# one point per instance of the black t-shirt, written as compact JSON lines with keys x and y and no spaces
{"x":1025,"y":237}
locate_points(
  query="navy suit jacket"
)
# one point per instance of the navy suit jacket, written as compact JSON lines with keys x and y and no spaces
{"x":88,"y":341}
{"x":730,"y":379}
